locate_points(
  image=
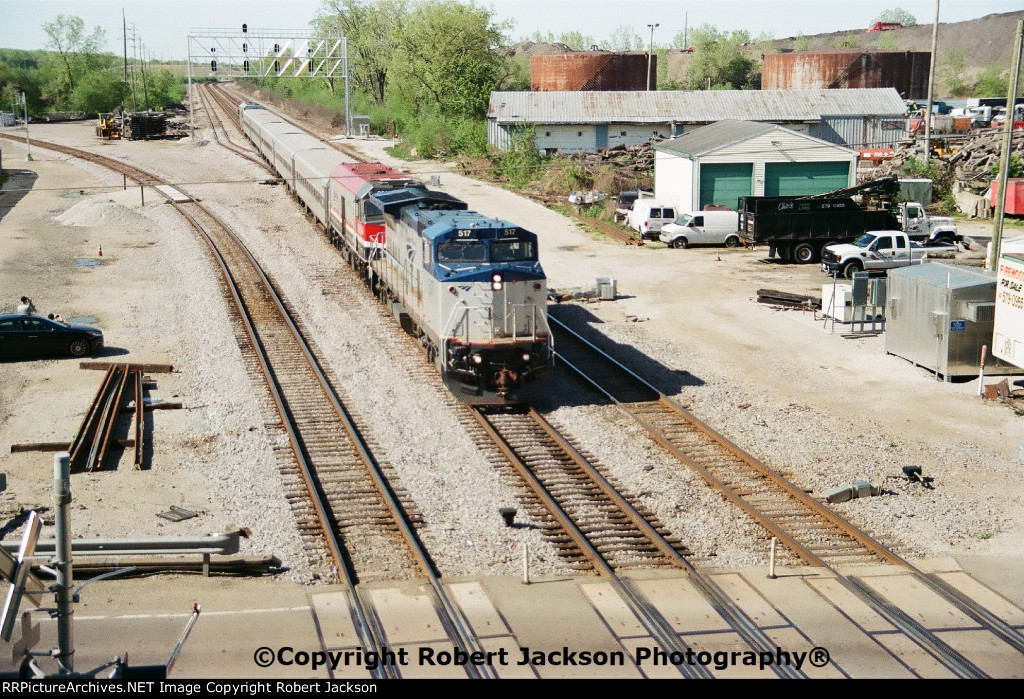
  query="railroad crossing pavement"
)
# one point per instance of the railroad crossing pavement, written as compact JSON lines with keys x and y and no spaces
{"x":287,"y":627}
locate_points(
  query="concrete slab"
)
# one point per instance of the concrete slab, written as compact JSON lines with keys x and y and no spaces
{"x":986,"y":597}
{"x":683,"y":606}
{"x":760,"y":611}
{"x":822,"y":624}
{"x":918,"y":662}
{"x":851,"y":606}
{"x":920,"y":602}
{"x":262,"y":629}
{"x":410,"y":622}
{"x":987,"y":651}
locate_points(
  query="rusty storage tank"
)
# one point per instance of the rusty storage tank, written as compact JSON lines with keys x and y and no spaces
{"x":906,"y":71}
{"x":591,"y":70}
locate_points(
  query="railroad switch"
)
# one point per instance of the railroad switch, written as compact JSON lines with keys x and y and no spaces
{"x":913,"y":474}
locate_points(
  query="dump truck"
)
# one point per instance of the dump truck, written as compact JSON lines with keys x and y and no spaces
{"x":797,"y":228}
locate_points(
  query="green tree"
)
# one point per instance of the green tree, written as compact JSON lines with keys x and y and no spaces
{"x":574,"y":40}
{"x":99,"y":91}
{"x":951,"y":73}
{"x":448,"y":58}
{"x":719,"y":62}
{"x":165,"y":88}
{"x":624,"y":38}
{"x":897,"y":14}
{"x":76,"y":53}
{"x":801,"y":43}
{"x":374,"y":30}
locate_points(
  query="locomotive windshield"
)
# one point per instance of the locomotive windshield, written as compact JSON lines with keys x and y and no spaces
{"x":513,"y":251}
{"x":372,"y":212}
{"x":476,"y":251}
{"x":462,"y":251}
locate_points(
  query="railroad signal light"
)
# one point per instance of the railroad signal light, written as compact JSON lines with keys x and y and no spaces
{"x":277,"y":48}
{"x":496,"y":281}
{"x":245,"y":47}
{"x":245,"y":66}
{"x":245,"y":28}
{"x":277,"y":66}
{"x":213,"y":66}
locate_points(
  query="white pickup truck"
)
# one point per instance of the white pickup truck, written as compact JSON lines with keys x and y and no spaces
{"x":879,"y":250}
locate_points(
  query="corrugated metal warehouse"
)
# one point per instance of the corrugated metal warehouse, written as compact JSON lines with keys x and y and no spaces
{"x":568,"y":122}
{"x":730,"y":159}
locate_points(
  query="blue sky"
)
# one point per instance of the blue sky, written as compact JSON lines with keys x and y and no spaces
{"x":164,"y":25}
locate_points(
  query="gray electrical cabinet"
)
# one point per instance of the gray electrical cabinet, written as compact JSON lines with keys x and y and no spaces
{"x":938,"y":316}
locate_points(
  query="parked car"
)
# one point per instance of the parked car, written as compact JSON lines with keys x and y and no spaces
{"x":649,"y":215}
{"x":703,"y":228}
{"x":30,"y":336}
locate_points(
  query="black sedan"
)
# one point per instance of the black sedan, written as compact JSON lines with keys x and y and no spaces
{"x":36,"y":336}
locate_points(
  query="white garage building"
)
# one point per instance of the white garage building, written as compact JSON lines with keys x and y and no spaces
{"x":723,"y":161}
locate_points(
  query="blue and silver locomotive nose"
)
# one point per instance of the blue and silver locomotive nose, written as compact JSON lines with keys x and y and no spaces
{"x":494,"y":334}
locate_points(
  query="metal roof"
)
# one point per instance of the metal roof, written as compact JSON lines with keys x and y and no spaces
{"x":700,"y":106}
{"x":950,"y":276}
{"x":712,"y":137}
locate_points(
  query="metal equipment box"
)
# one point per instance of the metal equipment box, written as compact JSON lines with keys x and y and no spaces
{"x":838,"y":305}
{"x":939,"y":316}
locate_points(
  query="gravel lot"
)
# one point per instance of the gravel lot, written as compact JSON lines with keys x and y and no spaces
{"x":823,"y":408}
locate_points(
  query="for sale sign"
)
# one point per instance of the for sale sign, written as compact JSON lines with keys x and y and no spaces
{"x":1008,"y":335}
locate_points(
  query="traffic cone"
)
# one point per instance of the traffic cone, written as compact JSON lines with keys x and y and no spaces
{"x":718,"y":258}
{"x":100,"y":254}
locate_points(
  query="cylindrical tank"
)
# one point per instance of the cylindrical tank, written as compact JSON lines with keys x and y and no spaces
{"x":592,"y":70}
{"x":907,"y":71}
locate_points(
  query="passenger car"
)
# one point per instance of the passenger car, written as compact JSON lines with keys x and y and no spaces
{"x":35,"y":336}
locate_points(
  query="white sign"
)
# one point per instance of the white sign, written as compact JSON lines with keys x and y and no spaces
{"x":1008,"y":333}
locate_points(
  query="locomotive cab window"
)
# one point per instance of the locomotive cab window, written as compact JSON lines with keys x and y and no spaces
{"x":462,"y":251}
{"x":513,"y":251}
{"x":372,"y":213}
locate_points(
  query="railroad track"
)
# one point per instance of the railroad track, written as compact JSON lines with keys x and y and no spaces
{"x":336,"y":488}
{"x":612,"y":231}
{"x":208,"y":94}
{"x":604,"y":532}
{"x":812,"y":532}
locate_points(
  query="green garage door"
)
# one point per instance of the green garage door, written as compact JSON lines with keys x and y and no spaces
{"x":796,"y":179}
{"x":724,"y":183}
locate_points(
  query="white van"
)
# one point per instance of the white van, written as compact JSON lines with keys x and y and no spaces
{"x":703,"y":228}
{"x":649,"y":215}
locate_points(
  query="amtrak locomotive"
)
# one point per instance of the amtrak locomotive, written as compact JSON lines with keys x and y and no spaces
{"x":469,"y":287}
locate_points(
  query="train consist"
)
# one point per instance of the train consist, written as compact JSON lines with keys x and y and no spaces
{"x":470,"y":288}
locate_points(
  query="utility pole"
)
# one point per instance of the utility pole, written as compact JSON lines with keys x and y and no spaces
{"x":1004,"y":161}
{"x":142,"y":67}
{"x":135,"y":100}
{"x":931,"y":87}
{"x":124,"y":34}
{"x":650,"y":53}
{"x":686,"y":30}
{"x":28,"y":146}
